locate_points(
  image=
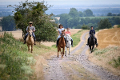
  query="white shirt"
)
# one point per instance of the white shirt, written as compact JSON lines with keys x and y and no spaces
{"x":60,"y":30}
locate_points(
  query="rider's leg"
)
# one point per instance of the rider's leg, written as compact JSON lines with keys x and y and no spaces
{"x":88,"y":41}
{"x":65,"y":40}
{"x":34,"y":38}
{"x":72,"y":42}
{"x":57,"y":41}
{"x":96,"y":41}
{"x":25,"y":38}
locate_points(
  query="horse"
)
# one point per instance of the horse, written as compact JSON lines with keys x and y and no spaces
{"x":61,"y":44}
{"x":91,"y":42}
{"x":30,"y":40}
{"x":68,"y":44}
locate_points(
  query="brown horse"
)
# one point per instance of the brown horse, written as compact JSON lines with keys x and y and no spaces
{"x":30,"y":40}
{"x":61,"y":44}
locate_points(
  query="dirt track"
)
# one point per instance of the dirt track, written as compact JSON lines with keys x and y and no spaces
{"x":56,"y":71}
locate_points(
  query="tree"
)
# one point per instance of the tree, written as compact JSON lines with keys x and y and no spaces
{"x":88,"y":13}
{"x":104,"y":24}
{"x":35,"y":11}
{"x":73,"y":12}
{"x":8,"y":23}
{"x":64,"y":20}
{"x":85,"y":27}
{"x":109,"y":14}
{"x":80,"y":14}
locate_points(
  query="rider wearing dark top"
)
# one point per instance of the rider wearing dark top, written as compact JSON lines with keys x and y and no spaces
{"x":92,"y":31}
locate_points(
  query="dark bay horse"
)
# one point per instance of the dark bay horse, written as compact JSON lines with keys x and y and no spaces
{"x":61,"y":45}
{"x":91,"y":42}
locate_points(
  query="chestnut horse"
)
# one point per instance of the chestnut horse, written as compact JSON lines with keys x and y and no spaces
{"x":30,"y":40}
{"x":61,"y":44}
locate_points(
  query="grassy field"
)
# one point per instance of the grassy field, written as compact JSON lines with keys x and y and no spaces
{"x":16,"y":63}
{"x":101,"y":17}
{"x":76,"y":37}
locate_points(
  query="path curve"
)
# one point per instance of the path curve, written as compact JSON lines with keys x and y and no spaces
{"x":54,"y":70}
{"x":99,"y":71}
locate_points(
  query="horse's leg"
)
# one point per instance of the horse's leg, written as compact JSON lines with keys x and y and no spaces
{"x":28,"y":47}
{"x":65,"y":51}
{"x":69,"y":50}
{"x":31,"y":48}
{"x":57,"y":52}
{"x":92,"y":48}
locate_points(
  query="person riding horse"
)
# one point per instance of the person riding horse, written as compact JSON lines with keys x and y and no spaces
{"x":68,"y":32}
{"x":92,"y":31}
{"x":60,"y":32}
{"x":31,"y":28}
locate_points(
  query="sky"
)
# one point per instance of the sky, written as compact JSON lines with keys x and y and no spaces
{"x":67,"y":2}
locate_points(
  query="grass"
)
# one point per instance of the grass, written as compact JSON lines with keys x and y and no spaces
{"x":118,"y":26}
{"x":115,"y":62}
{"x":15,"y":62}
{"x":76,"y":37}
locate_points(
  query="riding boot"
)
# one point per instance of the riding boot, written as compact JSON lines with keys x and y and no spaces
{"x":57,"y":42}
{"x":25,"y":39}
{"x":87,"y":42}
{"x":24,"y":42}
{"x":96,"y":42}
{"x":65,"y":40}
{"x":72,"y":42}
{"x":34,"y":41}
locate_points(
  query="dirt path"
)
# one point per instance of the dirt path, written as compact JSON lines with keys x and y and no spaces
{"x":57,"y":71}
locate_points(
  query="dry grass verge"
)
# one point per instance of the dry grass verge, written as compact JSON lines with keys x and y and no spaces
{"x":108,"y":58}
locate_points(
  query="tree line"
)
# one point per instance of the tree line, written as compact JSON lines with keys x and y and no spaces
{"x":78,"y":19}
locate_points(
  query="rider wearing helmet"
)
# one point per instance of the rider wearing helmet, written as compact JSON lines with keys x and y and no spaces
{"x":90,"y":32}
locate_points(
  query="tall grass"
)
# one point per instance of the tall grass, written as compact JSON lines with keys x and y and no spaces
{"x":14,"y":60}
{"x":116,"y":62}
{"x":76,"y":37}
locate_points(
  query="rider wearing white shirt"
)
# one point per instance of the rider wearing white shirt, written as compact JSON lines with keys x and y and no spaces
{"x":60,"y":32}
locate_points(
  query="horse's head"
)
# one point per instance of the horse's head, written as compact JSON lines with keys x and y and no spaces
{"x":30,"y":33}
{"x":63,"y":33}
{"x":68,"y":37}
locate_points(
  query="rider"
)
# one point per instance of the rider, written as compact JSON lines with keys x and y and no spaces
{"x":90,"y":32}
{"x":68,"y":32}
{"x":60,"y":32}
{"x":33,"y":29}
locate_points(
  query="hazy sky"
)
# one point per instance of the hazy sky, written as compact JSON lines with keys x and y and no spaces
{"x":67,"y":2}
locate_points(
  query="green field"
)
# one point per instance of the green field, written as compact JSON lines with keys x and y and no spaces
{"x":102,"y":17}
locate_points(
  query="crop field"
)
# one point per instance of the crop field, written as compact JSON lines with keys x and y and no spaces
{"x":108,"y":37}
{"x":101,"y":17}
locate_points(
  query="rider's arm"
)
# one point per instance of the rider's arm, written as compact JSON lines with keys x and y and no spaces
{"x":58,"y":32}
{"x":27,"y":29}
{"x":34,"y":29}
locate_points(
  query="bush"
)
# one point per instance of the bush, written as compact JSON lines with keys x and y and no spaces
{"x":14,"y":61}
{"x":116,"y":62}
